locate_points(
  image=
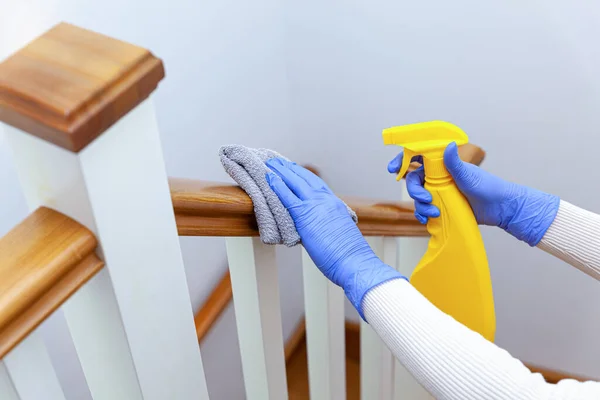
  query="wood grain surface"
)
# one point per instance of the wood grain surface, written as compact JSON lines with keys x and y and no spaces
{"x":218,"y":209}
{"x":70,"y":84}
{"x":43,"y":260}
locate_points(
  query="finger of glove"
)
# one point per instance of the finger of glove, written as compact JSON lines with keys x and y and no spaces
{"x":420,"y":218}
{"x":415,"y":182}
{"x":426,"y":210}
{"x":287,"y":197}
{"x":298,"y":185}
{"x":394,"y":165}
{"x":313,"y":180}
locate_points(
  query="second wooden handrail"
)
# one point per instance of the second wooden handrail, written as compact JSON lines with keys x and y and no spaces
{"x":43,"y":261}
{"x":213,"y":307}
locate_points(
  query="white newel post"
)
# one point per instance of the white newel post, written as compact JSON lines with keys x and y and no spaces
{"x":132,"y":325}
{"x":253,"y":270}
{"x":52,"y":177}
{"x":137,"y":315}
{"x":376,"y":360}
{"x":325,"y":336}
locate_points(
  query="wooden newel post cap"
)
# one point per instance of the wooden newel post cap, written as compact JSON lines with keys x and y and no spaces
{"x":70,"y":84}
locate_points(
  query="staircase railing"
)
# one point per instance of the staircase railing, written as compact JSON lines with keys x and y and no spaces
{"x":80,"y":121}
{"x":215,"y":209}
{"x":79,"y":118}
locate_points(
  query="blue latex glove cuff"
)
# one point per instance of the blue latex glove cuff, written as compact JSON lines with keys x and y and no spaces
{"x":532,"y":213}
{"x":366,"y":277}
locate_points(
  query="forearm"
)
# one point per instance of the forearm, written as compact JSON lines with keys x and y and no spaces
{"x":574,"y":237}
{"x":448,"y":359}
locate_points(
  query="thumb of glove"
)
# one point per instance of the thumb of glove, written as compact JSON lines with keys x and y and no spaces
{"x":457,"y":168}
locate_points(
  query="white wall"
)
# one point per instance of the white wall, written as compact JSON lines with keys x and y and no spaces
{"x":318,"y":80}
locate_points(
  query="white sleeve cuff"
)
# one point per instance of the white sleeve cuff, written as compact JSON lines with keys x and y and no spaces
{"x":574,"y":237}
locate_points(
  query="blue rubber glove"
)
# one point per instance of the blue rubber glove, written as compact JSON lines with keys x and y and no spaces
{"x":523,"y":212}
{"x":328,"y":233}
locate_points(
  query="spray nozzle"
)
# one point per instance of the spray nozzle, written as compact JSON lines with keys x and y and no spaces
{"x":428,"y":139}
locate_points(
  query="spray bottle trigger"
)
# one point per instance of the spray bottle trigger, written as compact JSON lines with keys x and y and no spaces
{"x":406,"y":159}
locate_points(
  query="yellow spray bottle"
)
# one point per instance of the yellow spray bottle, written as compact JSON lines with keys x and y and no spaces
{"x":453,"y":274}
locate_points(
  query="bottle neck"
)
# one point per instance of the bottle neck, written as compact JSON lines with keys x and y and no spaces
{"x":435,"y":171}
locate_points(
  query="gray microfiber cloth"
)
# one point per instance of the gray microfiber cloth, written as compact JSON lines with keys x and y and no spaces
{"x":247,"y":167}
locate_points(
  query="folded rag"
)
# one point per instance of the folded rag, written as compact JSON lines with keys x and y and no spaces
{"x":247,"y":167}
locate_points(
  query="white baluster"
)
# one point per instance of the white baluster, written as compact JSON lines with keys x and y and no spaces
{"x":325,"y":337}
{"x":376,"y":366}
{"x":410,"y":252}
{"x":30,"y":371}
{"x":135,"y":318}
{"x":255,"y":287}
{"x":7,"y":389}
{"x":376,"y":360}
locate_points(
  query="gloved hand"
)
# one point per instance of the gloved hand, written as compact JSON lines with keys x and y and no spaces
{"x":523,"y":212}
{"x":328,"y":233}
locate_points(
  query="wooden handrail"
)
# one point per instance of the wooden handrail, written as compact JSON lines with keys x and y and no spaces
{"x":220,"y":209}
{"x":43,"y":261}
{"x":70,"y":84}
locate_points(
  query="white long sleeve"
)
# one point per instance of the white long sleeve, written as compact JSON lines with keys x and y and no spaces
{"x":453,"y":362}
{"x":574,"y":237}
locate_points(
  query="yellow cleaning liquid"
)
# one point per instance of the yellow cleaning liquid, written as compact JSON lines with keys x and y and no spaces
{"x":453,"y":274}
